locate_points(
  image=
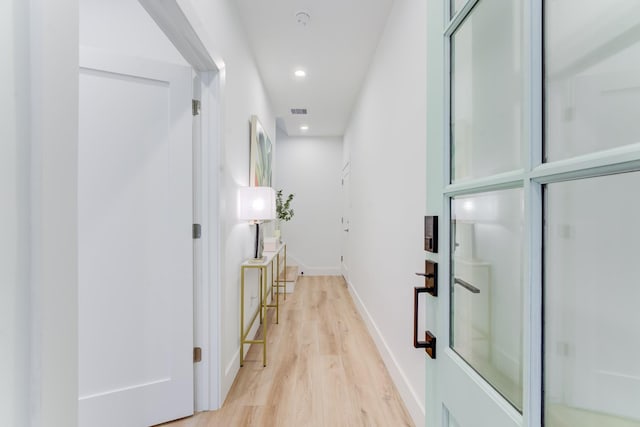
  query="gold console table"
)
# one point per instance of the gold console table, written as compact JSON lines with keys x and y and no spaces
{"x":267,"y":283}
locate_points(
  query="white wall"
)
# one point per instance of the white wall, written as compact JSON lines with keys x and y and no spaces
{"x":218,"y":26}
{"x":123,"y":26}
{"x":386,"y":145}
{"x":310,"y":168}
{"x":14,"y":215}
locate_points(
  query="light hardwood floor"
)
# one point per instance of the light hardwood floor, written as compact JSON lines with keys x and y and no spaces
{"x":323,"y":369}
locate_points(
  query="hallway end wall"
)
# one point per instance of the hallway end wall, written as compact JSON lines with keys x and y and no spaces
{"x":385,"y":144}
{"x":310,"y":167}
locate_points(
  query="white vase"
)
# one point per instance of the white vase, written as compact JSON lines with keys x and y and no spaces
{"x":276,"y":231}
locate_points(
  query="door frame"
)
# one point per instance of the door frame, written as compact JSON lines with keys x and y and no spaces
{"x":177,"y":23}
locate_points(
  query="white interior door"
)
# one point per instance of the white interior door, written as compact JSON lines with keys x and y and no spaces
{"x":346,"y":209}
{"x":135,"y":242}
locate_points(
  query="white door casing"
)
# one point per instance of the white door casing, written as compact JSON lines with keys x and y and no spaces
{"x":135,"y":241}
{"x":178,"y":22}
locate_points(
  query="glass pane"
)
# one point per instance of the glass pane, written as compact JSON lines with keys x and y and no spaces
{"x":591,"y":297}
{"x":486,"y":91}
{"x":486,"y":290}
{"x":592,"y":73}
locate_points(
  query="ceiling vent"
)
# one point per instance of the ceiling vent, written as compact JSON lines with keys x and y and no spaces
{"x":298,"y":111}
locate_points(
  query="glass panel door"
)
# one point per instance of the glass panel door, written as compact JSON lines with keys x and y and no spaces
{"x":541,"y":260}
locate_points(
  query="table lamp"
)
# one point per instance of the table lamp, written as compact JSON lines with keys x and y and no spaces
{"x":257,"y":204}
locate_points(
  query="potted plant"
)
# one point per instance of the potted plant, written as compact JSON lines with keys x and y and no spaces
{"x":284,"y":211}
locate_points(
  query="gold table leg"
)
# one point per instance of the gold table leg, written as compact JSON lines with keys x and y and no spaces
{"x":264,"y":318}
{"x":242,"y":316}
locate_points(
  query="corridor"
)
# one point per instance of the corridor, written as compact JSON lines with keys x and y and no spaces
{"x":323,"y":369}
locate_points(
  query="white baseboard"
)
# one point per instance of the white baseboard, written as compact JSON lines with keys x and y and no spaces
{"x":232,"y":368}
{"x":229,"y":376}
{"x":408,"y":394}
{"x":321,"y":271}
{"x":310,"y":270}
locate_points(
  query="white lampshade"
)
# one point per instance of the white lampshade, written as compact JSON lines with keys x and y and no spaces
{"x":257,"y":203}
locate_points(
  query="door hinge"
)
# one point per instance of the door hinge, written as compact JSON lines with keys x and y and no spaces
{"x":197,"y":354}
{"x":197,"y":231}
{"x":341,"y":258}
{"x":195,"y":107}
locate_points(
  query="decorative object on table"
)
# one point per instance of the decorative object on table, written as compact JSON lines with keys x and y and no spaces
{"x":284,"y":211}
{"x":257,"y":204}
{"x":261,"y":155}
{"x":270,"y":244}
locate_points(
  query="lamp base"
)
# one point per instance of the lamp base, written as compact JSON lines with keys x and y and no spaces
{"x":257,"y":253}
{"x":257,"y":260}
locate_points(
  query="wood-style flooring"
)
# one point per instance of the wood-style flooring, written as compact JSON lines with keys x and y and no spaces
{"x":323,"y":369}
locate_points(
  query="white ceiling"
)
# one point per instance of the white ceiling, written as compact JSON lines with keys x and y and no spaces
{"x":335,"y":48}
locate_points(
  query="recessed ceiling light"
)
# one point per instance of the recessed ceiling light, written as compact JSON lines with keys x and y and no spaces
{"x":304,"y":128}
{"x":300,"y":73}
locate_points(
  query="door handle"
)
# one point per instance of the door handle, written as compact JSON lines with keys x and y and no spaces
{"x":429,"y":343}
{"x":430,"y":277}
{"x":468,"y":286}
